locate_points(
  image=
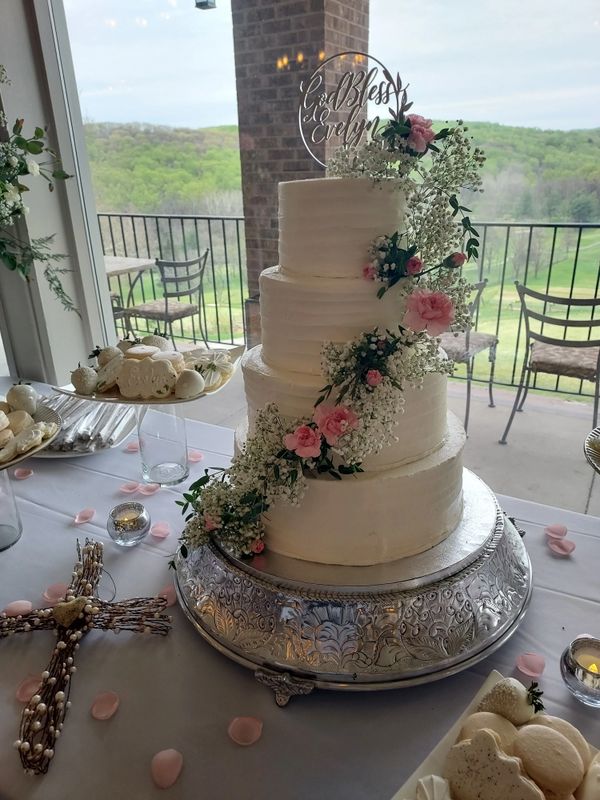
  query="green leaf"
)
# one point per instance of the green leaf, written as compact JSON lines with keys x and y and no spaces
{"x":39,"y":133}
{"x":60,"y":174}
{"x":34,"y":147}
{"x":381,"y":292}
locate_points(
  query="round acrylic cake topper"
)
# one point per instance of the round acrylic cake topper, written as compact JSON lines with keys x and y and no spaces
{"x":334,"y":100}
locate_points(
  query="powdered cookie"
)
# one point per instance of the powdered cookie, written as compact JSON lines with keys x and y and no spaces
{"x":477,"y":769}
{"x":486,"y":719}
{"x":146,"y":379}
{"x":173,"y":357}
{"x":141,"y":351}
{"x":108,"y":374}
{"x":4,"y":421}
{"x":5,"y":436}
{"x":569,"y":731}
{"x":19,"y":420}
{"x":589,"y":788}
{"x":549,"y":758}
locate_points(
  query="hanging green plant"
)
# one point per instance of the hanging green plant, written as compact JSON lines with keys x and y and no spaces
{"x":19,"y":160}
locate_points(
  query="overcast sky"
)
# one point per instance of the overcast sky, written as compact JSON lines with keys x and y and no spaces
{"x":517,"y":62}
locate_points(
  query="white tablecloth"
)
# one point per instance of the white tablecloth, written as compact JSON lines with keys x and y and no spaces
{"x":178,"y":692}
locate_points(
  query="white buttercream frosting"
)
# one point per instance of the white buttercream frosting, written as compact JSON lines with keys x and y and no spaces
{"x":421,"y":429}
{"x":374,"y":517}
{"x":327,"y":224}
{"x":300,"y":314}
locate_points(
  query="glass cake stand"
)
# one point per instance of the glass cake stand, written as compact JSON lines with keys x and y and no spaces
{"x":301,"y":625}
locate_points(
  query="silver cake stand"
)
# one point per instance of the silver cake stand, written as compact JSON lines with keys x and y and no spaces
{"x":300,"y":625}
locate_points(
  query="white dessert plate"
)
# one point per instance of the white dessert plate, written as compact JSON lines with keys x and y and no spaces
{"x":42,"y":414}
{"x":114,"y":396}
{"x":434,"y":763}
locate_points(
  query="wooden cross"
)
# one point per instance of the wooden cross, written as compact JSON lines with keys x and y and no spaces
{"x":71,"y":620}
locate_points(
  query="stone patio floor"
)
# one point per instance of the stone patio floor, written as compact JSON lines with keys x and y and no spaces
{"x":543,"y":460}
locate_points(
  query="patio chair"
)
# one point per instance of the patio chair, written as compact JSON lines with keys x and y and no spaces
{"x":572,"y":358}
{"x":177,"y":281}
{"x":463,"y":347}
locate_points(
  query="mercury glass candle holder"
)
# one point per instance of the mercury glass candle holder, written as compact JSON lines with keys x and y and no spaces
{"x":128,"y":523}
{"x":580,"y":669}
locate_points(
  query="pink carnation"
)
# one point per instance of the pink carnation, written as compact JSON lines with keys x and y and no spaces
{"x":414,"y":265}
{"x":368,"y":272}
{"x":211,"y":523}
{"x":420,"y":133}
{"x":374,"y":377}
{"x":430,"y":311}
{"x":257,"y":546}
{"x":334,"y":421}
{"x":457,"y":259}
{"x":304,"y":441}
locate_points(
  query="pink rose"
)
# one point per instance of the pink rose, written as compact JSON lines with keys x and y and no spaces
{"x":457,"y":259}
{"x":368,"y":272}
{"x":257,"y":546}
{"x":420,"y":133}
{"x":334,"y":421}
{"x":374,"y":377}
{"x":211,"y":523}
{"x":414,"y":265}
{"x":304,"y":441}
{"x":430,"y":311}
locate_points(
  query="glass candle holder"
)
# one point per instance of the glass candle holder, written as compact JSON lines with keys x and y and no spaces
{"x":580,"y":669}
{"x":10,"y":521}
{"x":128,"y":523}
{"x":163,"y":443}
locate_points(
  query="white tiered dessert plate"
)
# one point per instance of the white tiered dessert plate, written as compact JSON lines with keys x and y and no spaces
{"x":114,"y":396}
{"x":42,"y":414}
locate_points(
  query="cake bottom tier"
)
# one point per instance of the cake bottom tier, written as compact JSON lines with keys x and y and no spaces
{"x":373,"y":518}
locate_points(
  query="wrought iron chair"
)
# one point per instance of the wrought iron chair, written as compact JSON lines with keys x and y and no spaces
{"x":573,"y":358}
{"x":178,"y":282}
{"x":463,"y":347}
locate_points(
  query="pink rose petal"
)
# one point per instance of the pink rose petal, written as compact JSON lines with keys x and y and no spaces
{"x":85,"y":515}
{"x":556,"y":531}
{"x":168,"y":592}
{"x":245,"y":730}
{"x":194,"y":456}
{"x":105,"y":705}
{"x":132,"y":447}
{"x":55,"y":593}
{"x":160,"y":530}
{"x":21,"y":473}
{"x":27,"y":688}
{"x":18,"y":608}
{"x":166,"y":767}
{"x":531,"y":664}
{"x":562,"y":547}
{"x":129,"y":488}
{"x":149,"y":488}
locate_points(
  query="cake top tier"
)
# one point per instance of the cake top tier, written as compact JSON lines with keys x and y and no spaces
{"x":327,"y":224}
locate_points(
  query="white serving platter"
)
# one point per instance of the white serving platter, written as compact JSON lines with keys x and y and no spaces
{"x":42,"y":414}
{"x":114,"y":396}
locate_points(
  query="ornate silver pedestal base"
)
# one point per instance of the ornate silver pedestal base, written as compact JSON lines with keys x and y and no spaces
{"x":301,"y":625}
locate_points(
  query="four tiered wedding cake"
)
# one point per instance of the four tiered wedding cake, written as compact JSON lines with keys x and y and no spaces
{"x":409,"y":496}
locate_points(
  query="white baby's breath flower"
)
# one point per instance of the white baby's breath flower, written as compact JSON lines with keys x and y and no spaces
{"x":33,"y":168}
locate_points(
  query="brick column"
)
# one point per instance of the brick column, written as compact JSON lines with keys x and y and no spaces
{"x":277,"y":43}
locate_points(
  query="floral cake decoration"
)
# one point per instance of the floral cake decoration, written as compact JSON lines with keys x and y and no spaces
{"x":364,"y":379}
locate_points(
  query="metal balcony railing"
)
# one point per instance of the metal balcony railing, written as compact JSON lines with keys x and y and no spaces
{"x":556,"y":258}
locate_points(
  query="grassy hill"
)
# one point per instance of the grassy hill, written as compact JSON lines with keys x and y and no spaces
{"x":530,"y":174}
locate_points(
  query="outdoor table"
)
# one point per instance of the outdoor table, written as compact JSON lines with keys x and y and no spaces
{"x":122,"y":265}
{"x":178,"y":692}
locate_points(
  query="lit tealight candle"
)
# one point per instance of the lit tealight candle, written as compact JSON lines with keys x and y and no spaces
{"x":128,"y":523}
{"x":580,"y":668}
